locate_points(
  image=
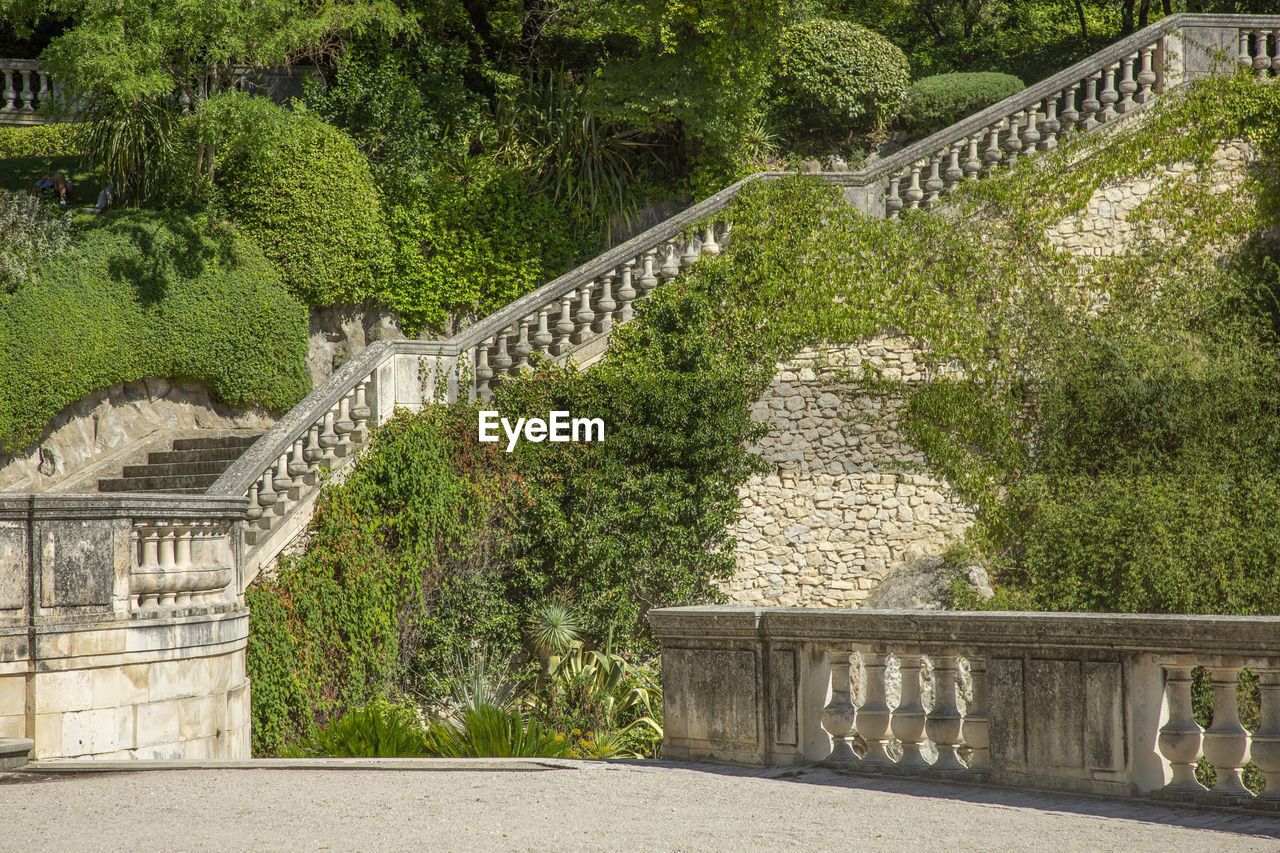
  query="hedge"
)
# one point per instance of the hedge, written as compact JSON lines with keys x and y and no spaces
{"x":837,"y":77}
{"x":148,"y":295}
{"x":44,"y":140}
{"x":933,"y":103}
{"x":303,"y":191}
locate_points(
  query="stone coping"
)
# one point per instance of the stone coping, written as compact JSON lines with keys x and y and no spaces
{"x":488,"y":765}
{"x":58,"y":505}
{"x":1247,"y":637}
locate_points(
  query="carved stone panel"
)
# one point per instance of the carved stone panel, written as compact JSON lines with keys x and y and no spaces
{"x":711,"y":696}
{"x":77,"y":562}
{"x":782,"y":687}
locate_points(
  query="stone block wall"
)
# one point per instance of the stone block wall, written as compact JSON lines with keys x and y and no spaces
{"x":847,"y":500}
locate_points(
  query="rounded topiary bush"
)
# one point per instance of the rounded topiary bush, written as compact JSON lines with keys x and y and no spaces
{"x":933,"y":103}
{"x":834,"y":77}
{"x":146,"y":295}
{"x":303,"y":191}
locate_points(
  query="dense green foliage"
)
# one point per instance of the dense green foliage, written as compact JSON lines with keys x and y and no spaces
{"x":303,"y":192}
{"x":143,"y":296}
{"x":934,"y":103}
{"x":44,"y":140}
{"x":29,"y":232}
{"x":836,"y":78}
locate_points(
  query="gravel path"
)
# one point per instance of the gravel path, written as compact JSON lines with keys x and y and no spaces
{"x":586,"y":806}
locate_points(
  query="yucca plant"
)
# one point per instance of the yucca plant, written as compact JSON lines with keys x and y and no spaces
{"x":486,"y":731}
{"x":553,"y":627}
{"x":375,"y":731}
{"x":137,"y":146}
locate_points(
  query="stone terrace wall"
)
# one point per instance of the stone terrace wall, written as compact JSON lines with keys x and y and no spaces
{"x":845,"y":502}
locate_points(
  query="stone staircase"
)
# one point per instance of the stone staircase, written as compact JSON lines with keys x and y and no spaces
{"x":191,"y":466}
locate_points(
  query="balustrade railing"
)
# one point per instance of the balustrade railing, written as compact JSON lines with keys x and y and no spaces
{"x":180,"y":563}
{"x":25,"y":87}
{"x":1096,"y":703}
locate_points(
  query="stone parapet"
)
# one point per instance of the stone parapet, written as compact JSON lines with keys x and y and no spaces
{"x":1093,"y":703}
{"x":122,"y":626}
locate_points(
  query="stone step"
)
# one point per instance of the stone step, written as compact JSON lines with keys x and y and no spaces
{"x":211,"y":454}
{"x":185,"y":483}
{"x":176,"y":469}
{"x":221,"y":442}
{"x":14,"y":752}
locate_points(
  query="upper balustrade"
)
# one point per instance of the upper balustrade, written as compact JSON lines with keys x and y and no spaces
{"x":25,"y":87}
{"x":1091,"y":702}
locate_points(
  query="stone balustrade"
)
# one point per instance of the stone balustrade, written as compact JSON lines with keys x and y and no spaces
{"x":25,"y":87}
{"x":1093,"y":703}
{"x":122,"y":627}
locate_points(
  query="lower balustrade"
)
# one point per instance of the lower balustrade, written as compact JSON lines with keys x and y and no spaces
{"x":1092,"y":703}
{"x":180,"y":563}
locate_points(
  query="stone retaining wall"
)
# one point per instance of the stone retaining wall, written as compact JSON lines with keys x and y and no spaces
{"x":847,"y":500}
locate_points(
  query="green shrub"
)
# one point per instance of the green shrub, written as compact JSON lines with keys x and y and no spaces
{"x":473,"y":242}
{"x":374,"y":731}
{"x":44,"y":140}
{"x":487,"y":731}
{"x":837,"y":78}
{"x":939,"y":101}
{"x":146,"y":295}
{"x":304,"y":193}
{"x":30,"y":231}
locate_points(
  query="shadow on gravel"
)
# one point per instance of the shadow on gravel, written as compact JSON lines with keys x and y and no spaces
{"x":1236,"y":821}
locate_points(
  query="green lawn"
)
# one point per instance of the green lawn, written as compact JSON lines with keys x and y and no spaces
{"x":21,"y":173}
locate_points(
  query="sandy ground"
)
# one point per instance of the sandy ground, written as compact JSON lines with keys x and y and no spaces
{"x":586,"y":806}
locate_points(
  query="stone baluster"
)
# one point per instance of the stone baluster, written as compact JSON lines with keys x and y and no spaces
{"x":648,"y":281}
{"x":670,"y":267}
{"x":313,"y":454}
{"x":43,"y":94}
{"x":542,"y":338}
{"x":726,"y":232}
{"x":298,"y":468}
{"x":254,"y":512}
{"x":933,"y":184}
{"x":873,"y":714}
{"x":484,"y":373}
{"x":944,"y":721}
{"x":10,"y":102}
{"x":1012,"y":139}
{"x":991,"y":155}
{"x":344,"y":426}
{"x":972,"y":163}
{"x":953,"y":174}
{"x":606,"y":303}
{"x":1050,"y":126}
{"x":282,"y":482}
{"x":1069,"y":116}
{"x":1146,"y":76}
{"x":268,"y":499}
{"x":690,"y":252}
{"x":1128,"y":85}
{"x":564,"y":324}
{"x":183,"y":565}
{"x":627,"y":293}
{"x":585,"y":316}
{"x":1265,"y":749}
{"x":501,"y":358}
{"x":1261,"y":56}
{"x":360,"y":412}
{"x":976,"y":728}
{"x":168,"y":566}
{"x":28,"y":94}
{"x":914,"y":194}
{"x":908,"y":717}
{"x":1245,"y":57}
{"x":709,"y":244}
{"x":147,"y":580}
{"x":1090,"y":105}
{"x":1031,"y":132}
{"x":523,"y":347}
{"x":329,"y":436}
{"x":1180,"y":738}
{"x":1109,"y":95}
{"x":1226,"y":743}
{"x":893,"y":201}
{"x":838,"y":716}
